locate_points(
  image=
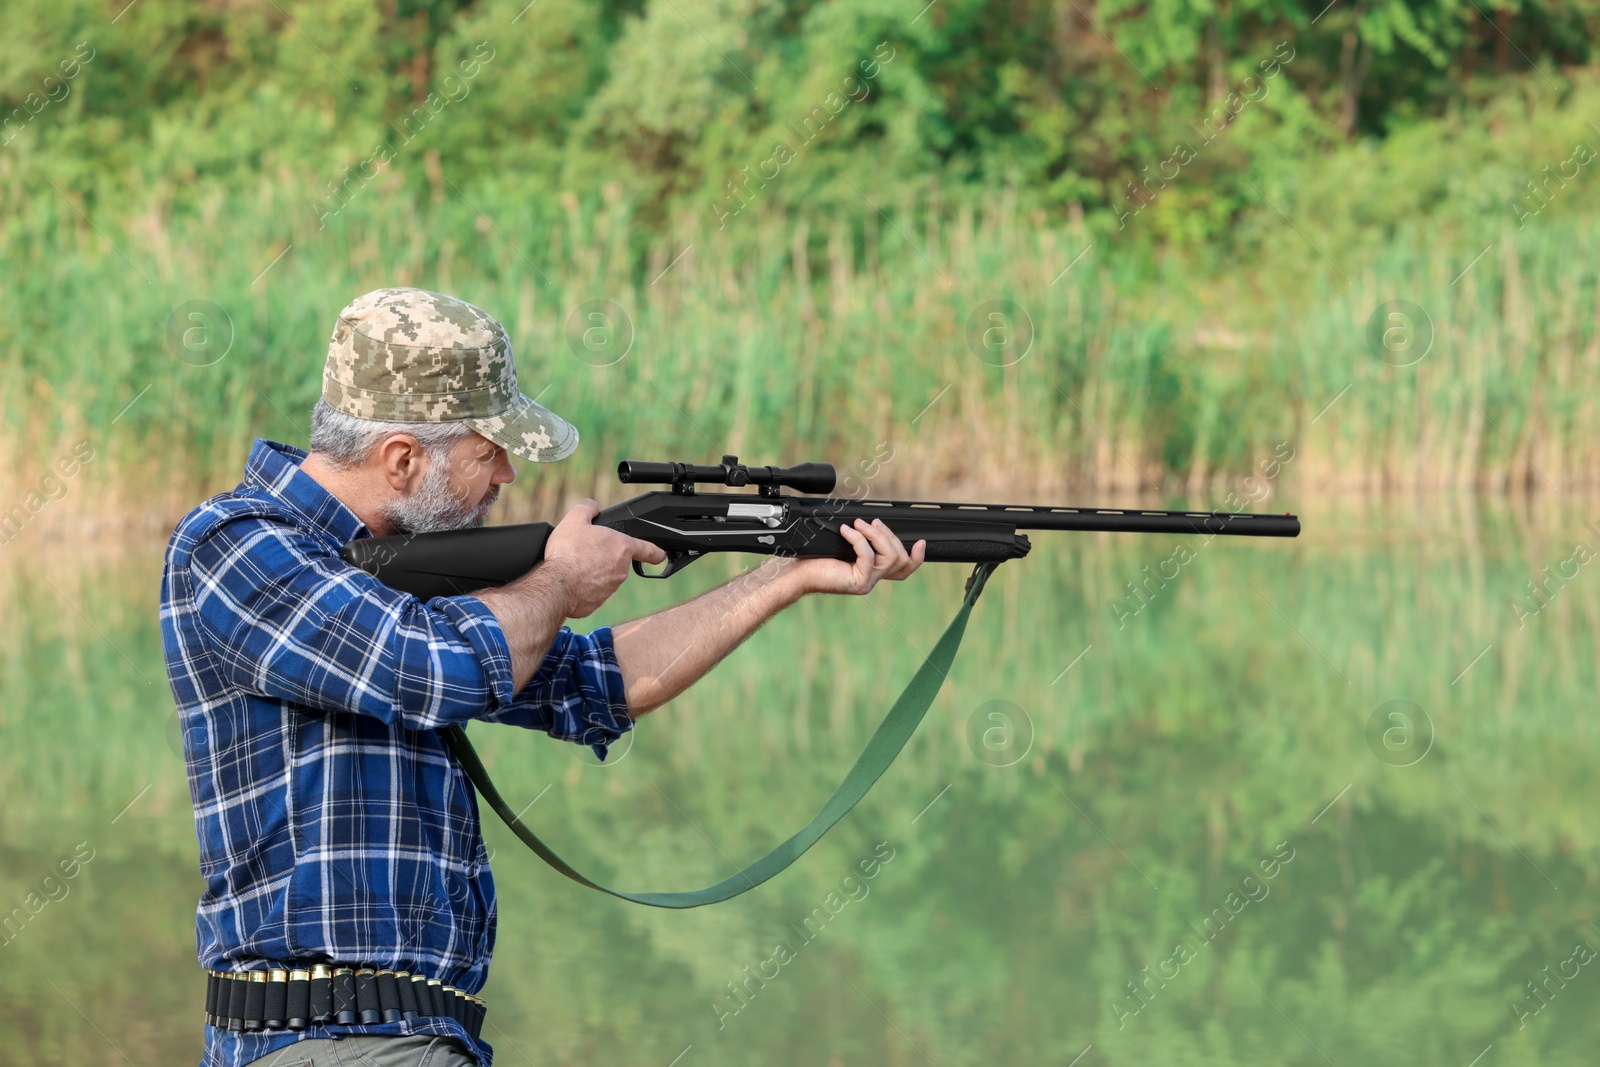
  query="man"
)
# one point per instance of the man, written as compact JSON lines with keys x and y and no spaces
{"x":347,"y":883}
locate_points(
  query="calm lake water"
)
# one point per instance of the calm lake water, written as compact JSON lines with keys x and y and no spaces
{"x":1311,"y":802}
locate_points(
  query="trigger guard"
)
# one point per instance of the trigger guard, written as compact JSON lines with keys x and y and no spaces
{"x":676,"y":561}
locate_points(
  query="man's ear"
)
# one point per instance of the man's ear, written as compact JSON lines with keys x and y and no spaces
{"x":401,"y":460}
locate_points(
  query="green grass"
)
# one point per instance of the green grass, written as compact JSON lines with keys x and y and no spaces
{"x":784,"y":339}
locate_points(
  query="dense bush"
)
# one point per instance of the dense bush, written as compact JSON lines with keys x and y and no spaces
{"x":682,"y":104}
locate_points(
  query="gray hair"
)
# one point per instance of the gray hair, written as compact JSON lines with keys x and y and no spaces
{"x":348,"y":440}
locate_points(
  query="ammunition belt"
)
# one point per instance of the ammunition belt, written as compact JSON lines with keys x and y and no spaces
{"x":252,"y":1001}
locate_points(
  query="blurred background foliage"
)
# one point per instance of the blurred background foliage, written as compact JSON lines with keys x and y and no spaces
{"x":1375,"y":112}
{"x":1198,"y":205}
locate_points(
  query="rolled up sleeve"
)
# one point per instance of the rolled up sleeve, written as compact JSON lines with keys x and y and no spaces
{"x":577,"y":693}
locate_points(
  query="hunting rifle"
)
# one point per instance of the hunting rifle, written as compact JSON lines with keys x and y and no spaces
{"x":687,"y":525}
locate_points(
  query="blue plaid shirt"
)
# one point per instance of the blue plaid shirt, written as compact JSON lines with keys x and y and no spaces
{"x":333,"y":825}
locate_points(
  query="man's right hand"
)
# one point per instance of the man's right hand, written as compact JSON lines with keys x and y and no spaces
{"x":593,"y":560}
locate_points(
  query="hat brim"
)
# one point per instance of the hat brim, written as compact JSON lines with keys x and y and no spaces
{"x":529,"y":431}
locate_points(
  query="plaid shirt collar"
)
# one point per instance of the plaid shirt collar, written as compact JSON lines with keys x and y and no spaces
{"x":274,"y":469}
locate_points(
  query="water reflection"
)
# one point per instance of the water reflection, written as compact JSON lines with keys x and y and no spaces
{"x":1320,"y":801}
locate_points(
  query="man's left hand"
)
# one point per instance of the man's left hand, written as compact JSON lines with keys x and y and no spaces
{"x":879,"y":555}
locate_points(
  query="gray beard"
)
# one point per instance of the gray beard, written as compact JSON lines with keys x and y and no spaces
{"x":433,"y":507}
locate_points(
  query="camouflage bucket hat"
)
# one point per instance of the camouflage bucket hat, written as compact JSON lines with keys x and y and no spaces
{"x":408,"y":355}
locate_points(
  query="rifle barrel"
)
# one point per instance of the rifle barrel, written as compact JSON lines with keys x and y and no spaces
{"x":1113,"y":520}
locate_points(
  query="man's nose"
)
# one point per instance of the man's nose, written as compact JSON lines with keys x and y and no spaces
{"x":503,"y":471}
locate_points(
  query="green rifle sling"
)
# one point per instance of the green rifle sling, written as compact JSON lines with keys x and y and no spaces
{"x":881,"y":750}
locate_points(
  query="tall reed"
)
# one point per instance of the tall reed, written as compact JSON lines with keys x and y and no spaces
{"x":786,"y":338}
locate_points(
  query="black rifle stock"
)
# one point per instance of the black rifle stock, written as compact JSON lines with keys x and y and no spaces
{"x":687,"y":525}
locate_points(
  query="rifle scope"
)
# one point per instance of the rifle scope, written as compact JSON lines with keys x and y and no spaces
{"x":816,"y":478}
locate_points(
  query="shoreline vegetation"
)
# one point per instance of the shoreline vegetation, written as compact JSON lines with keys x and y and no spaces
{"x":1287,"y":238}
{"x":1406,"y":324}
{"x":991,"y":356}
